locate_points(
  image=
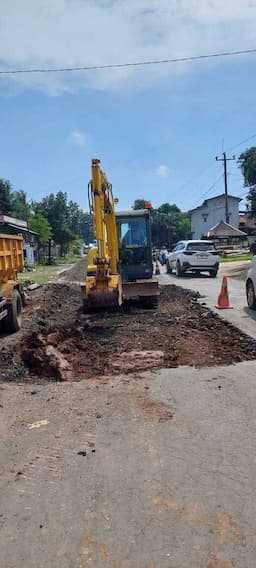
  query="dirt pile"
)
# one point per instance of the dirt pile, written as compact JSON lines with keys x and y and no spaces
{"x":75,"y":274}
{"x":61,"y":343}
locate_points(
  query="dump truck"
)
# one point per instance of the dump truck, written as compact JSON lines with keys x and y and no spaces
{"x":11,"y":293}
{"x":120,"y":266}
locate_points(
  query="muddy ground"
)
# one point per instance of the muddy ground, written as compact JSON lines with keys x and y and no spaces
{"x":59,"y":342}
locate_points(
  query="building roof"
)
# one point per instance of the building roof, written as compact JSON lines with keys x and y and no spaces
{"x":248,"y":222}
{"x":205,"y":202}
{"x":16,"y":224}
{"x":225,"y":230}
{"x":19,"y":223}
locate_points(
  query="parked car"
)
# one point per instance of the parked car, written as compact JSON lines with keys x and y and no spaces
{"x":251,"y":280}
{"x":193,"y":256}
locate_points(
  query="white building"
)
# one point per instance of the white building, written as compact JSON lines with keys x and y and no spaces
{"x":212,"y":212}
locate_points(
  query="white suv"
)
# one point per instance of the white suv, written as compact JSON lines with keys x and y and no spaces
{"x":195,"y":256}
{"x":251,"y":284}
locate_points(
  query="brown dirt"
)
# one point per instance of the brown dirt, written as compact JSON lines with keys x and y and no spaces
{"x":75,"y":274}
{"x":58,"y":342}
{"x":143,"y":404}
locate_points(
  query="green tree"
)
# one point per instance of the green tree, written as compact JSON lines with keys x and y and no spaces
{"x":74,"y":213}
{"x":247,"y":164}
{"x":62,"y":232}
{"x":76,"y":246}
{"x":20,"y":206}
{"x":63,"y":217}
{"x":184,"y":227}
{"x":86,"y":227}
{"x":5,"y":197}
{"x":169,"y":209}
{"x":139,"y":204}
{"x":165,"y":227}
{"x":42,"y":227}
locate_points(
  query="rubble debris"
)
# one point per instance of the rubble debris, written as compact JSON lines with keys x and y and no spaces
{"x":46,"y":358}
{"x":125,"y":361}
{"x":33,"y":286}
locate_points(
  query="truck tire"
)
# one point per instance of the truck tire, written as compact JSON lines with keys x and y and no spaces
{"x":12,"y":322}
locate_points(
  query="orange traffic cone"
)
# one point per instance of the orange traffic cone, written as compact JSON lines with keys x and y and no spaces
{"x":223,"y":299}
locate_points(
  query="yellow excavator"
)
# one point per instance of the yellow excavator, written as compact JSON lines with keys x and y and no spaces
{"x":120,"y":266}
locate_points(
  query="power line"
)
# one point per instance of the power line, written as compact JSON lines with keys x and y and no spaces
{"x":196,"y":176}
{"x":209,"y":190}
{"x":242,"y":142}
{"x":131,"y":64}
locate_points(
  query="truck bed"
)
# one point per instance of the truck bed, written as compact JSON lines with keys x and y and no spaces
{"x":11,"y":257}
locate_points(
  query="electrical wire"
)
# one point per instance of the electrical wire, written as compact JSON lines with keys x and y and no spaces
{"x":242,"y":142}
{"x":208,"y":190}
{"x":196,"y":176}
{"x":131,"y":64}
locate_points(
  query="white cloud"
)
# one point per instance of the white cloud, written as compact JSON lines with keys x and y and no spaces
{"x":78,"y":138}
{"x":83,"y":33}
{"x":162,"y":171}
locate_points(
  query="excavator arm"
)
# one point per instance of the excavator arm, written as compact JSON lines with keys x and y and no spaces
{"x":103,"y":283}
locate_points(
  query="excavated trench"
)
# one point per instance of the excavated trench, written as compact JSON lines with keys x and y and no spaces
{"x":60,"y":343}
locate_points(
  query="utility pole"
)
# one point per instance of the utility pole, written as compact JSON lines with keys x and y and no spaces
{"x":225,"y":160}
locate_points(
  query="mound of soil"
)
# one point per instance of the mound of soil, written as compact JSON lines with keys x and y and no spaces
{"x":61,"y":343}
{"x":75,"y":274}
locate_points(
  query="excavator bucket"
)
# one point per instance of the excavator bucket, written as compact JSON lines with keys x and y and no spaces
{"x":146,"y":291}
{"x":100,"y":295}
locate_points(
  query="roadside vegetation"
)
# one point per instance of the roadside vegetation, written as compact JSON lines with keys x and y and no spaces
{"x":242,"y":257}
{"x":42,"y":274}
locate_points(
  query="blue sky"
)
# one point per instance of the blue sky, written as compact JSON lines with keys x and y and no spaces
{"x":155,"y":129}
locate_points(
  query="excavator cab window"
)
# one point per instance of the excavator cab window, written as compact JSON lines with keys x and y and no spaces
{"x":135,"y":257}
{"x":133,"y":233}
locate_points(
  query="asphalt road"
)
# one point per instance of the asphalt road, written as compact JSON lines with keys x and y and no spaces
{"x":151,"y":491}
{"x":209,"y":288}
{"x":155,"y":470}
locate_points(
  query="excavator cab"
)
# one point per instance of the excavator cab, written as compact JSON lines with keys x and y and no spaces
{"x":135,"y":256}
{"x":135,"y":248}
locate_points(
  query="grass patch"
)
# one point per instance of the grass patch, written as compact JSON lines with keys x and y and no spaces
{"x":246,"y":256}
{"x":69,"y":260}
{"x":43,"y":273}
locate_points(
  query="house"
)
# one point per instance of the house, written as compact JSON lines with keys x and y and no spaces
{"x":12,"y":226}
{"x":248,"y":225}
{"x":212,"y":212}
{"x":223,"y":233}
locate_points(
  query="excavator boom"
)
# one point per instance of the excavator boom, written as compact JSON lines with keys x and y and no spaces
{"x":103,"y":283}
